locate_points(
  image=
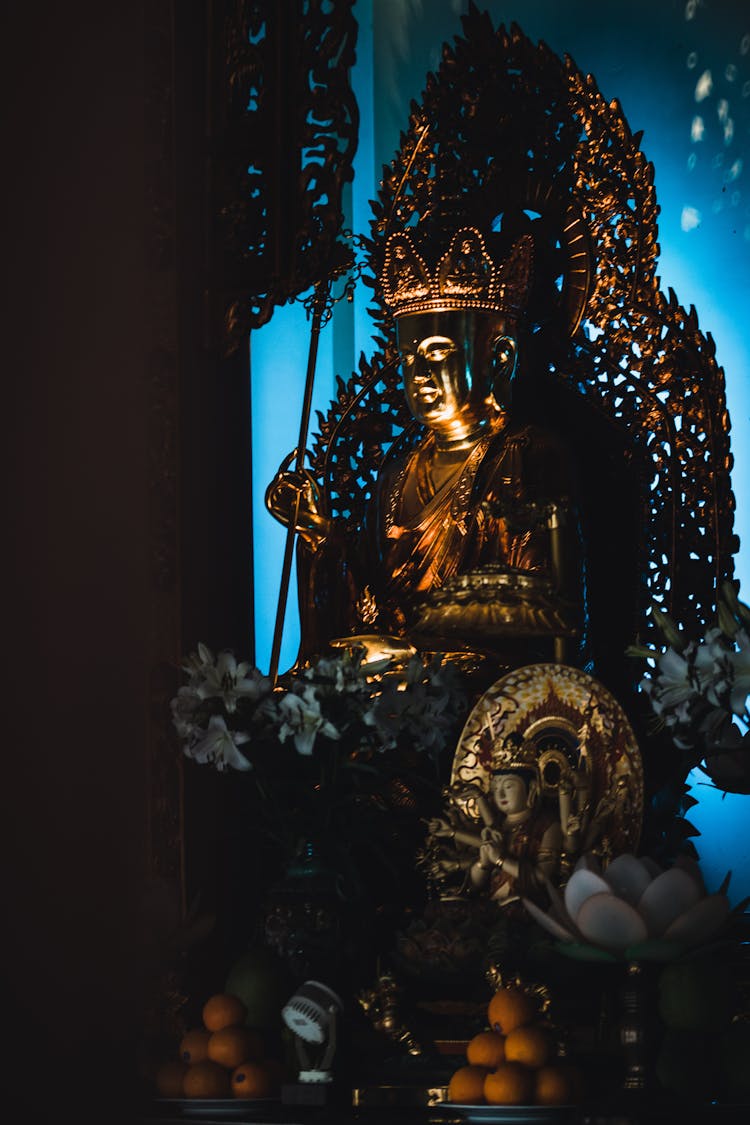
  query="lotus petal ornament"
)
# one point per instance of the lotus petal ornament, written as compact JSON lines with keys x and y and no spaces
{"x":633,"y":909}
{"x":628,"y":878}
{"x":666,"y":898}
{"x":611,"y":922}
{"x":580,"y":887}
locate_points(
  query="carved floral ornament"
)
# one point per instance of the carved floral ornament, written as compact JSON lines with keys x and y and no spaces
{"x":284,"y":135}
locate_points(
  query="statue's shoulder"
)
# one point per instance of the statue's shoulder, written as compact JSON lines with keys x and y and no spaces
{"x":393,"y":468}
{"x":537,"y":458}
{"x":534,"y":443}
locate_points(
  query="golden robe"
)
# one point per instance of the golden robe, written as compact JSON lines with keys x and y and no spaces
{"x":489,"y":517}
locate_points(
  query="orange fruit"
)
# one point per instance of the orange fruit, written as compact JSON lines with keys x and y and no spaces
{"x":530,"y":1045}
{"x":511,"y":1084}
{"x":553,"y":1085}
{"x":510,"y":1008}
{"x":169,"y":1077}
{"x":223,"y":1010}
{"x":206,"y":1080}
{"x":486,"y":1049}
{"x":467,"y":1085}
{"x":253,"y":1079}
{"x":234,"y":1045}
{"x":194,"y":1046}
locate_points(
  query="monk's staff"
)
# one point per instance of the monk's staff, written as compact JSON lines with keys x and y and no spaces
{"x":320,"y":301}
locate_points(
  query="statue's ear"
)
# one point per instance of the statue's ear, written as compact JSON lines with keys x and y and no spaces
{"x":504,"y":362}
{"x":533,"y":794}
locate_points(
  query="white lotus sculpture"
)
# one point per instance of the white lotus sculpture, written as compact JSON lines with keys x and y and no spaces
{"x":633,"y":909}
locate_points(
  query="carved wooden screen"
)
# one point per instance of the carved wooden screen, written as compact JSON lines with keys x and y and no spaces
{"x":284,"y":126}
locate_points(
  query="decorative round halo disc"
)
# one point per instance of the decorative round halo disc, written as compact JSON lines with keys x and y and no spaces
{"x":564,"y":712}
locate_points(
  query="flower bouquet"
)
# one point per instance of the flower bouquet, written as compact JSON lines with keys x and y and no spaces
{"x":698,"y":691}
{"x":337,"y":752}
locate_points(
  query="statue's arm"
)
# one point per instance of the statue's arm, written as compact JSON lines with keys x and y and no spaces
{"x":547,"y":864}
{"x":296,"y":499}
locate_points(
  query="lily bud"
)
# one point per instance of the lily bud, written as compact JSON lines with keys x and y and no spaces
{"x":727,"y":621}
{"x":672,"y":634}
{"x":730,"y":592}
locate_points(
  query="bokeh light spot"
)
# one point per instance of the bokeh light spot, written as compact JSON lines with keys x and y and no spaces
{"x":690,"y":218}
{"x":735,"y":171}
{"x":704,"y":86}
{"x":692,"y":60}
{"x":723,"y":109}
{"x":692,"y":160}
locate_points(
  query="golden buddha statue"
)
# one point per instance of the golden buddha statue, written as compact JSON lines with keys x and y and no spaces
{"x":464,"y":546}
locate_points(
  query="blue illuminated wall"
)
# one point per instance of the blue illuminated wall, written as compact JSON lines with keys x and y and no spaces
{"x":681,"y":71}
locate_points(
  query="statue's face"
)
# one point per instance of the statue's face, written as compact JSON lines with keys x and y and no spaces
{"x":510,"y":793}
{"x":451,"y":362}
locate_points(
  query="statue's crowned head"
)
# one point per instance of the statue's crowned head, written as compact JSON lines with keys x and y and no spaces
{"x":457,"y":327}
{"x":516,"y":756}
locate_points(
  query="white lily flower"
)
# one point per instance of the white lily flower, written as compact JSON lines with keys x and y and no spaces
{"x":679,"y":680}
{"x":303,"y":720}
{"x":184,"y":706}
{"x":219,"y":745}
{"x":227,"y":680}
{"x":634,"y":909}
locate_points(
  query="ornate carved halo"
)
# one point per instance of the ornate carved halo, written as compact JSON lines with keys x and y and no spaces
{"x":499,"y":145}
{"x":561,"y":711}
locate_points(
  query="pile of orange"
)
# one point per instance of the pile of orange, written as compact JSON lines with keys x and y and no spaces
{"x":513,"y":1062}
{"x":221,"y":1059}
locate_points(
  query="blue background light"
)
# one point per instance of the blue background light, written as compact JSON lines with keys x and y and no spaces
{"x":278,"y":366}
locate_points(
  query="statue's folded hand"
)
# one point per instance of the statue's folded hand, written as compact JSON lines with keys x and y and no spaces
{"x":295,"y":499}
{"x":490,"y":855}
{"x":492,"y":836}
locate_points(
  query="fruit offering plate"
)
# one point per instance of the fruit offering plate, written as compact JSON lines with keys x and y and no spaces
{"x":503,"y":1114}
{"x":222,"y":1109}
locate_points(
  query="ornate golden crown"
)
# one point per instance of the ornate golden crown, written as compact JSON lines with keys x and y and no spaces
{"x":514,"y":753}
{"x":466,"y":276}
